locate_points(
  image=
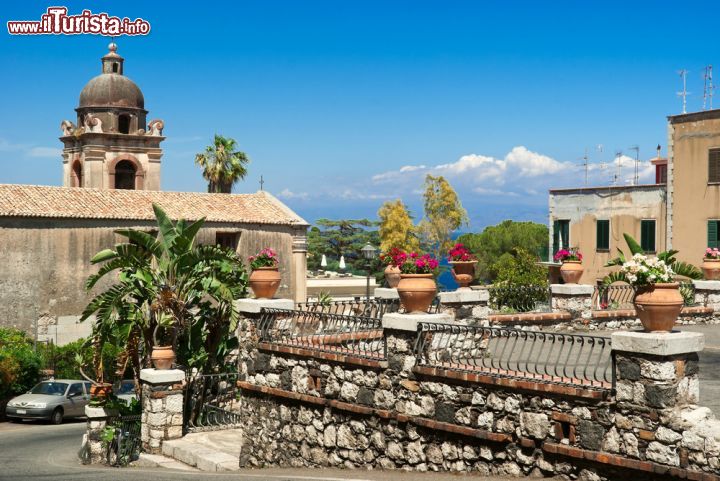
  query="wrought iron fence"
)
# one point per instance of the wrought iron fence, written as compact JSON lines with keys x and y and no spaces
{"x":360,"y":307}
{"x":359,"y":336}
{"x":621,"y":296}
{"x":568,"y":359}
{"x":123,"y":442}
{"x":520,"y":298}
{"x":210,"y":400}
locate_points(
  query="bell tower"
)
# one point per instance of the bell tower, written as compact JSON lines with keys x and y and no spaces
{"x":111,"y":146}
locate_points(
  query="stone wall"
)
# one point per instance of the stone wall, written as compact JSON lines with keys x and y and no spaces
{"x":312,"y":408}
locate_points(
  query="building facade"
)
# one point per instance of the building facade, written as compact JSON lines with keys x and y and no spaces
{"x":681,"y":210}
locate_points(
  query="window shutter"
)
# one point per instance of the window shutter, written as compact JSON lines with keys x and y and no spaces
{"x":556,"y":235}
{"x":647,"y":235}
{"x":712,"y":233}
{"x":714,"y":165}
{"x":602,"y":240}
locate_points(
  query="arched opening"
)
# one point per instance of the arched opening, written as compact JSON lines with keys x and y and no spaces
{"x":124,"y":124}
{"x":125,"y":175}
{"x":115,"y":67}
{"x":76,"y":177}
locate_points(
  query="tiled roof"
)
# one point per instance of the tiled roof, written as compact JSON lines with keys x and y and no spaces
{"x":80,"y":203}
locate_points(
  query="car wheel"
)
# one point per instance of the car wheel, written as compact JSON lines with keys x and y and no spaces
{"x":57,"y":416}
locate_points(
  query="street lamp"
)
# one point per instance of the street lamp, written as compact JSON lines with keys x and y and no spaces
{"x":368,"y":252}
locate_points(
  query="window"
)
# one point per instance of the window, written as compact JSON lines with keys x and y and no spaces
{"x":115,"y":67}
{"x":714,"y":165}
{"x":561,"y":235}
{"x":602,"y":237}
{"x":228,"y":240}
{"x":75,"y":390}
{"x":124,"y":124}
{"x":647,"y":235}
{"x":76,"y":180}
{"x":125,"y":175}
{"x":713,"y":230}
{"x":661,"y":174}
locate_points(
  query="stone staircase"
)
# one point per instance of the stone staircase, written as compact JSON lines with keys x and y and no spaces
{"x":205,"y":451}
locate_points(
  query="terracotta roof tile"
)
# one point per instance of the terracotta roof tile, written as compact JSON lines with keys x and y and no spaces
{"x":80,"y":203}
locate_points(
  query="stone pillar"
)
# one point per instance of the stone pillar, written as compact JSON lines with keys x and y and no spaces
{"x":466,"y":303}
{"x":573,"y":298}
{"x":93,"y":450}
{"x":162,"y":407}
{"x":299,"y":266}
{"x":707,"y":293}
{"x":657,"y":370}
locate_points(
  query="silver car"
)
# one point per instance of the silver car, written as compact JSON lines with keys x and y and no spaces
{"x":52,"y":400}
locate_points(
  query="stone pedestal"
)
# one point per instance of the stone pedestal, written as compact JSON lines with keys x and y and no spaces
{"x":93,"y":450}
{"x":386,"y":293}
{"x":707,"y":293}
{"x":409,"y":322}
{"x":162,"y":407}
{"x":253,"y":306}
{"x":464,"y":296}
{"x":573,"y":298}
{"x":657,"y":370}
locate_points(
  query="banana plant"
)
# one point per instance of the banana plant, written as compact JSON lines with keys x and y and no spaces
{"x":680,"y":268}
{"x":170,"y":281}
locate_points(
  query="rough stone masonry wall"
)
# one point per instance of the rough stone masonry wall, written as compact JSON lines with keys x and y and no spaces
{"x":303,"y":410}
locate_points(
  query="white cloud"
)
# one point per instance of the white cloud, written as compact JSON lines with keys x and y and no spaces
{"x":288,"y":194}
{"x":495,"y":192}
{"x":44,"y":152}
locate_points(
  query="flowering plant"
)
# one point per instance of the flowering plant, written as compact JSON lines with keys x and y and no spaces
{"x":567,"y":255}
{"x":265,"y":258}
{"x":460,"y":253}
{"x":642,"y":270}
{"x":712,"y":253}
{"x":393,"y":257}
{"x":419,"y":264}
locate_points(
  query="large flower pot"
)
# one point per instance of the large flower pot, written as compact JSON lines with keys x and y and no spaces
{"x":711,"y":269}
{"x":658,"y":306}
{"x":571,"y":271}
{"x":100,"y":390}
{"x":392,"y":276}
{"x":264,"y":282}
{"x":416,"y":291}
{"x":162,"y":357}
{"x":463,"y":272}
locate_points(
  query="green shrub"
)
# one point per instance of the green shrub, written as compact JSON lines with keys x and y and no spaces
{"x":62,"y":359}
{"x":19,"y":363}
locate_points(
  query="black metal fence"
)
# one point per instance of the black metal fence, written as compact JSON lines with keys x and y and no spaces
{"x":568,"y":359}
{"x":508,"y":299}
{"x":359,"y":336}
{"x":210,"y":400}
{"x":621,"y":296}
{"x":123,"y":441}
{"x":360,"y":307}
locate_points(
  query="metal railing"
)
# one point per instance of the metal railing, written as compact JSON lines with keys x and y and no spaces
{"x":125,"y":444}
{"x":621,"y":296}
{"x":567,"y":359}
{"x":325,"y":332}
{"x":360,"y":307}
{"x":508,"y":299}
{"x":209,"y":402}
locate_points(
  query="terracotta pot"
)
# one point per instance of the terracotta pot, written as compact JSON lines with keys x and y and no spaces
{"x":264,"y":282}
{"x":392,"y":276}
{"x":463,"y":272}
{"x":162,"y":357}
{"x":417,"y":291}
{"x":571,"y":271}
{"x":711,"y":269}
{"x":658,"y":306}
{"x":100,"y":391}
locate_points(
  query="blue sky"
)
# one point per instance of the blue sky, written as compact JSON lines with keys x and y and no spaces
{"x":342,"y":105}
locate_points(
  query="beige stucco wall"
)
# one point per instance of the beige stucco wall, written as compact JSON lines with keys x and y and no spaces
{"x":624,"y":207}
{"x":45,"y":262}
{"x":694,"y":201}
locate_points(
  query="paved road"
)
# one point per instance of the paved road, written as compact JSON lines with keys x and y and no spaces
{"x":49,"y":453}
{"x":709,"y":366}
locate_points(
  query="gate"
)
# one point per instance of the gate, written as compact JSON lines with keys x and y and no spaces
{"x":122,"y":435}
{"x":210,"y":400}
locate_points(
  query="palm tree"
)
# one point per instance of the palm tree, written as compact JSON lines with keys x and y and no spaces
{"x":222,"y":164}
{"x":169,"y":286}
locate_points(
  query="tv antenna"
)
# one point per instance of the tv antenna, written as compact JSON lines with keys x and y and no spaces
{"x":262,"y":182}
{"x":637,"y":164}
{"x":618,"y":157}
{"x":586,"y":165}
{"x":708,"y":88}
{"x":683,"y":74}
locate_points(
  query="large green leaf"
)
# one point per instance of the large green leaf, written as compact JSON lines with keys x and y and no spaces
{"x":635,"y":248}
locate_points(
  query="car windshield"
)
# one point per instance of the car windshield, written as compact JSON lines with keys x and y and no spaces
{"x":51,"y":388}
{"x":126,"y":387}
